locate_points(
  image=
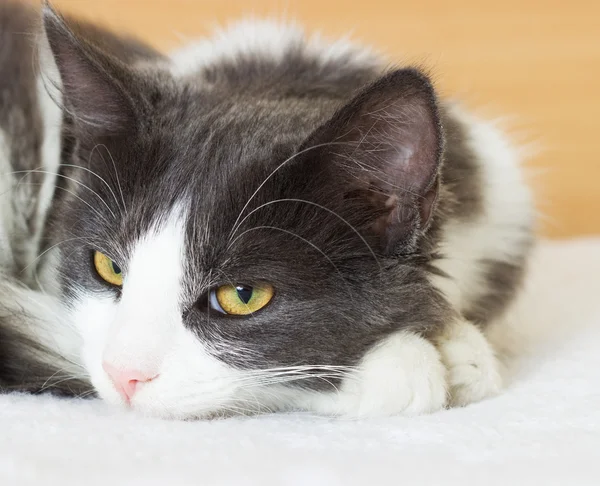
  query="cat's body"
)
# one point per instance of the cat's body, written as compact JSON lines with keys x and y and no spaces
{"x":390,"y":226}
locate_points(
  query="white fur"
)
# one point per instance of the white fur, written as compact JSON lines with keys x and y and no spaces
{"x":473,"y":370}
{"x":149,"y":308}
{"x":402,"y":375}
{"x":36,"y":315}
{"x":501,"y":232}
{"x":50,"y":100}
{"x":16,"y":198}
{"x":25,"y":206}
{"x":269,"y":39}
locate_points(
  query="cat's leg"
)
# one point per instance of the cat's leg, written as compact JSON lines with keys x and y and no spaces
{"x":402,"y":375}
{"x":473,"y":369}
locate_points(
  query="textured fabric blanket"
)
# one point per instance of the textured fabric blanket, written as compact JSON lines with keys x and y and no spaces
{"x":544,"y":429}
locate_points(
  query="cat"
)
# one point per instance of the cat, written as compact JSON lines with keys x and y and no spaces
{"x":258,"y":222}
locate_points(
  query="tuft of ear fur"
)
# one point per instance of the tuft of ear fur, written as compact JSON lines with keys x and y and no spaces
{"x":386,"y":147}
{"x":93,"y":82}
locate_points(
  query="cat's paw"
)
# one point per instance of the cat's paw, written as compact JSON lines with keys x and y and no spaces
{"x":473,"y":370}
{"x":402,"y":375}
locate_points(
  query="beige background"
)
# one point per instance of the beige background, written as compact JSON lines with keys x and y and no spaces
{"x":536,"y":61}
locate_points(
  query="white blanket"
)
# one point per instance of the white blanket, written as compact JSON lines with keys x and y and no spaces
{"x":544,"y":429}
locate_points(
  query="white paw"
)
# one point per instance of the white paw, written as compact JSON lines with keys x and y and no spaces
{"x":403,"y":375}
{"x":473,"y":370}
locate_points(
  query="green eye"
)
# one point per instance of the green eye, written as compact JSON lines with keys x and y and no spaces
{"x":108,"y":270}
{"x":241,"y":300}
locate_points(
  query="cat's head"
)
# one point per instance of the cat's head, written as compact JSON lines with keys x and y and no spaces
{"x":238,"y":238}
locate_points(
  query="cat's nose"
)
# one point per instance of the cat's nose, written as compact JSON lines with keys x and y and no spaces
{"x":126,"y":380}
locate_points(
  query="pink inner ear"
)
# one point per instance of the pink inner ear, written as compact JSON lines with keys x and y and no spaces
{"x":388,"y":142}
{"x":402,"y":215}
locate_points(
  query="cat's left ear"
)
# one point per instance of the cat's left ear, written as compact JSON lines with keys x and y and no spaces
{"x":94,"y":84}
{"x":383,"y":152}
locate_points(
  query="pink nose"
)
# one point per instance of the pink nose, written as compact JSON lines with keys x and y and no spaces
{"x":126,"y":381}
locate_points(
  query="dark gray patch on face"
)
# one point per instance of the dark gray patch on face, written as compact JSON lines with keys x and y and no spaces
{"x":127,"y":50}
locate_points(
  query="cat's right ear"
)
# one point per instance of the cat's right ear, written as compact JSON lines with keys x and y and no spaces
{"x":93,"y":83}
{"x":381,"y":154}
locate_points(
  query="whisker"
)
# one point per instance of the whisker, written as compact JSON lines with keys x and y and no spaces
{"x":94,"y":174}
{"x":318,"y":206}
{"x":274,"y":171}
{"x":373,"y":171}
{"x":49,"y":249}
{"x":37,"y":171}
{"x":56,"y":383}
{"x":86,"y":393}
{"x":100,"y":215}
{"x":311,"y":244}
{"x":116,"y":175}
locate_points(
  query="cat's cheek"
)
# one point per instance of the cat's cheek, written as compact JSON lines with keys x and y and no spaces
{"x":92,"y":315}
{"x":192,"y":383}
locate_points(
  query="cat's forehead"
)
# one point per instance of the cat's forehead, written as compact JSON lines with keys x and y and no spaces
{"x":204,"y":157}
{"x":214,"y":123}
{"x":211,"y":154}
{"x":199,"y":177}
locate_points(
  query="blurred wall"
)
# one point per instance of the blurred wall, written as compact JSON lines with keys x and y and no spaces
{"x":536,"y":62}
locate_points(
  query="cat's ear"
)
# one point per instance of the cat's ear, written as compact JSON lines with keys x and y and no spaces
{"x":93,"y":83}
{"x":385,"y":149}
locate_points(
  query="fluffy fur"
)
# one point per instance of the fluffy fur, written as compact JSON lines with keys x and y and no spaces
{"x":392,"y":226}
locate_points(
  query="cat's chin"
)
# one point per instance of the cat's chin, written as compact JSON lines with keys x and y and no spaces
{"x":152,"y":407}
{"x":152,"y":400}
